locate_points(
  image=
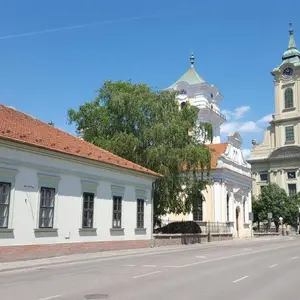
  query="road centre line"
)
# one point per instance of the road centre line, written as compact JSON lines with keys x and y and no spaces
{"x":149,"y":266}
{"x":240,"y":279}
{"x":147,"y":274}
{"x":273,"y":266}
{"x":295,"y":257}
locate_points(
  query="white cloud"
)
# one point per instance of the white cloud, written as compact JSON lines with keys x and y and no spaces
{"x":236,"y":114}
{"x":240,"y":111}
{"x":248,"y":127}
{"x":246,"y":153}
{"x":229,"y":127}
{"x":265,"y":119}
{"x":242,"y":127}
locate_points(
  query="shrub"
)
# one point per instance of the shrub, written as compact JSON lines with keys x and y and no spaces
{"x":180,"y":227}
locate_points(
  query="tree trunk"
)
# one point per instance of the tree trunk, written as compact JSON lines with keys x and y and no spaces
{"x":277,"y":226}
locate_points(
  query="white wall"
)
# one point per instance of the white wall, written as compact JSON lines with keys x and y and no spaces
{"x":28,"y":171}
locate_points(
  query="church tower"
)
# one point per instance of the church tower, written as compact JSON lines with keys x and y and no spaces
{"x":287,"y":96}
{"x":195,"y":90}
{"x":277,"y":158}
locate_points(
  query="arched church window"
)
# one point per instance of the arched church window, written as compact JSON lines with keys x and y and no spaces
{"x":198,"y":210}
{"x":288,"y":98}
{"x":182,"y":104}
{"x":227,"y":207}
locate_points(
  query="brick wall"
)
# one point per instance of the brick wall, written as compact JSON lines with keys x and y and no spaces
{"x":26,"y":252}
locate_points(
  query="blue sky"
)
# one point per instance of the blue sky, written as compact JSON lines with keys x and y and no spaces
{"x":236,"y":45}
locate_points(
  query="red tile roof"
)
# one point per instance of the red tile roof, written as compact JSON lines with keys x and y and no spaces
{"x":19,"y":127}
{"x":217,"y":150}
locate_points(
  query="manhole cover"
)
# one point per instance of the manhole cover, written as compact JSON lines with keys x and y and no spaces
{"x":96,"y":296}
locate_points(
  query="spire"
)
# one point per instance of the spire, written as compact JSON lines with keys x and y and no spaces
{"x":292,"y":53}
{"x":292,"y":42}
{"x":192,"y":60}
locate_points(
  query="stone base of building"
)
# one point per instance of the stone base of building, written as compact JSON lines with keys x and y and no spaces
{"x":27,"y":252}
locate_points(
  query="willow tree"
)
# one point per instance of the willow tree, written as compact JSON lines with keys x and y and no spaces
{"x":148,"y":128}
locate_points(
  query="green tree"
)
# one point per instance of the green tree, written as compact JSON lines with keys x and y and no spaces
{"x":274,"y":199}
{"x":148,"y":128}
{"x":51,"y":123}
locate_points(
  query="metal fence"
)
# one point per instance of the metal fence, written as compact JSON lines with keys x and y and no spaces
{"x":206,"y":227}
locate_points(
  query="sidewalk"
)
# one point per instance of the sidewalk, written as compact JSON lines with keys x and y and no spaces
{"x":82,"y":258}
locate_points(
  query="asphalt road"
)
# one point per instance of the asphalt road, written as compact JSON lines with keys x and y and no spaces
{"x":252,"y":270}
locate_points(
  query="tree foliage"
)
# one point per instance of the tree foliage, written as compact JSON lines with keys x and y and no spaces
{"x":274,"y":199}
{"x":148,"y":128}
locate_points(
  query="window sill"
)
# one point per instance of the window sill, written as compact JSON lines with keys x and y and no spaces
{"x":45,"y":230}
{"x":140,"y":230}
{"x":289,"y":109}
{"x":289,"y":142}
{"x":6,"y":230}
{"x":117,"y":229}
{"x":87,"y":229}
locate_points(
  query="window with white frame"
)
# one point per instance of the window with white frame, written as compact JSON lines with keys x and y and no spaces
{"x":288,"y":98}
{"x":289,"y":134}
{"x":291,"y":175}
{"x":47,"y":201}
{"x":117,"y":211}
{"x":292,"y":187}
{"x":198,"y":210}
{"x":88,"y":210}
{"x":140,"y":213}
{"x":5,"y":189}
{"x":264,"y":177}
{"x":227,"y":206}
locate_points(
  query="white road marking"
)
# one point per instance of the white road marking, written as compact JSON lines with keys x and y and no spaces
{"x":128,"y":265}
{"x":273,"y":266}
{"x":295,"y":257}
{"x":12,"y":283}
{"x":247,"y":249}
{"x":51,"y":297}
{"x":201,"y":256}
{"x":149,"y":266}
{"x":226,"y":257}
{"x":147,"y":274}
{"x":240,"y":279}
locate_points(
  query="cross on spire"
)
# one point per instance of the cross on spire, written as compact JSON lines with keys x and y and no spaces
{"x":292,"y":42}
{"x":192,"y":60}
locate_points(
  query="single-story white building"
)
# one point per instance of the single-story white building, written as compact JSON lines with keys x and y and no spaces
{"x":61,"y":195}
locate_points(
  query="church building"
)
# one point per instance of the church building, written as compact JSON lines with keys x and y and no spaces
{"x":228,"y":198}
{"x":277,"y":158}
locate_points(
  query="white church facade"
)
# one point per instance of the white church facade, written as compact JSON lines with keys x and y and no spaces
{"x":228,"y":198}
{"x":277,"y":157}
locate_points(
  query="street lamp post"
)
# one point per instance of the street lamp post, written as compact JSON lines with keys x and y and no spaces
{"x":281,"y":222}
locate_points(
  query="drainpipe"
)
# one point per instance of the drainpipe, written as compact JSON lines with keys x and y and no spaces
{"x":152,"y":214}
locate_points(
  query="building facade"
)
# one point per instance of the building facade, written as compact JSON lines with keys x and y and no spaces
{"x":61,"y":195}
{"x":277,"y":158}
{"x":228,"y":198}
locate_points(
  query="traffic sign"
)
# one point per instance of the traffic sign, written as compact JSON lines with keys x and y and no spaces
{"x":270,"y":215}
